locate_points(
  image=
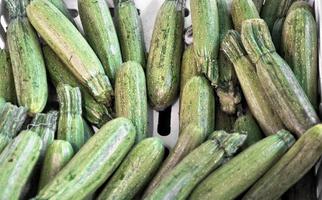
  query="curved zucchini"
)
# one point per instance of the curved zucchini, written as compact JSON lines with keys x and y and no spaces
{"x":188,"y":67}
{"x":242,"y":10}
{"x":163,"y":66}
{"x":7,"y":84}
{"x":131,"y":97}
{"x":239,"y":173}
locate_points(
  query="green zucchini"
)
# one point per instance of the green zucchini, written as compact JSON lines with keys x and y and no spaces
{"x":239,"y":173}
{"x":60,"y":4}
{"x":4,"y":141}
{"x":290,"y":168}
{"x":224,"y":121}
{"x":130,"y":32}
{"x":131,"y":97}
{"x":250,"y":84}
{"x":206,"y":37}
{"x":163,"y":66}
{"x":88,"y":131}
{"x":300,"y":48}
{"x":277,"y":34}
{"x":101,"y":34}
{"x":196,"y":165}
{"x":71,"y":47}
{"x":135,"y":171}
{"x":17,"y":162}
{"x":27,"y":62}
{"x":58,"y":154}
{"x":93,"y":111}
{"x":93,"y":164}
{"x":70,"y":124}
{"x":242,"y":10}
{"x":7,"y":84}
{"x":284,"y":92}
{"x":189,"y":138}
{"x":188,"y":67}
{"x":197,"y":105}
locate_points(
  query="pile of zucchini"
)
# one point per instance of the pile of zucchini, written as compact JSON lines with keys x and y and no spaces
{"x":74,"y":104}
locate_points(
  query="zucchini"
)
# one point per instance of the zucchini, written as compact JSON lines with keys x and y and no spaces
{"x":197,"y":105}
{"x":164,"y":61}
{"x":101,"y":34}
{"x":188,"y":67}
{"x":277,"y":34}
{"x":17,"y":162}
{"x":250,"y":84}
{"x":284,"y":92}
{"x":93,"y":111}
{"x":242,"y":10}
{"x":131,"y":97}
{"x":58,"y":154}
{"x":4,"y":141}
{"x":93,"y":164}
{"x":197,"y":165}
{"x":71,"y":47}
{"x":300,"y":48}
{"x":7,"y":84}
{"x":239,"y":173}
{"x":290,"y":168}
{"x":27,"y":62}
{"x":135,"y":171}
{"x":206,"y":37}
{"x":130,"y":32}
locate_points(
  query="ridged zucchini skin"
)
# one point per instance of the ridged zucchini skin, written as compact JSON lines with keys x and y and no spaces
{"x":4,"y":141}
{"x":242,"y":10}
{"x":255,"y":96}
{"x":70,"y":124}
{"x":7,"y":84}
{"x":101,"y":34}
{"x":17,"y":162}
{"x":27,"y":61}
{"x":135,"y":171}
{"x":164,"y":60}
{"x":206,"y":36}
{"x":196,"y":165}
{"x":71,"y":47}
{"x":242,"y":171}
{"x":188,"y":67}
{"x":93,"y":164}
{"x":300,"y":48}
{"x":93,"y":111}
{"x":130,"y":32}
{"x":197,"y":105}
{"x":57,"y":156}
{"x":290,"y":168}
{"x":131,"y":97}
{"x":189,"y":138}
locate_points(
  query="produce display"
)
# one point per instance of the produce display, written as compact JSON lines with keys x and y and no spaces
{"x":76,"y":101}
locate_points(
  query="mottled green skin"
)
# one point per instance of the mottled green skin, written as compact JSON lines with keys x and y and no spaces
{"x":93,"y":164}
{"x":242,"y":10}
{"x":93,"y":111}
{"x":135,"y":171}
{"x":197,"y":105}
{"x":284,"y":92}
{"x":277,"y":34}
{"x":62,"y":8}
{"x":57,"y":156}
{"x":189,"y":138}
{"x":290,"y":168}
{"x":88,"y":131}
{"x":224,"y":121}
{"x":71,"y":47}
{"x":164,"y":61}
{"x":300,"y":48}
{"x":130,"y":32}
{"x":242,"y":171}
{"x":131,"y":97}
{"x":258,"y":4}
{"x":7,"y":84}
{"x":188,"y":67}
{"x":17,"y":162}
{"x":206,"y":37}
{"x":195,"y":166}
{"x":4,"y":141}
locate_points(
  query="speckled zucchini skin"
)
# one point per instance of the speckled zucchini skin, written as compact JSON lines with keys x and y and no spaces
{"x":300,"y":48}
{"x":131,"y":97}
{"x":130,"y":32}
{"x":284,"y":92}
{"x":101,"y":34}
{"x":17,"y":162}
{"x":205,"y":23}
{"x":7,"y":84}
{"x":93,"y":164}
{"x":290,"y":168}
{"x":242,"y":10}
{"x":239,"y":173}
{"x":164,"y":61}
{"x":135,"y":171}
{"x":71,"y":47}
{"x":188,"y":67}
{"x":57,"y":156}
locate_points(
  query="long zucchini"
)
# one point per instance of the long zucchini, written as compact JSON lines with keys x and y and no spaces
{"x":242,"y":10}
{"x":188,"y":67}
{"x":7,"y":84}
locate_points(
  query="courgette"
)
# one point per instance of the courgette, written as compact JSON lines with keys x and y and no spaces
{"x":242,"y":10}
{"x":188,"y":67}
{"x":7,"y":84}
{"x":277,"y":34}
